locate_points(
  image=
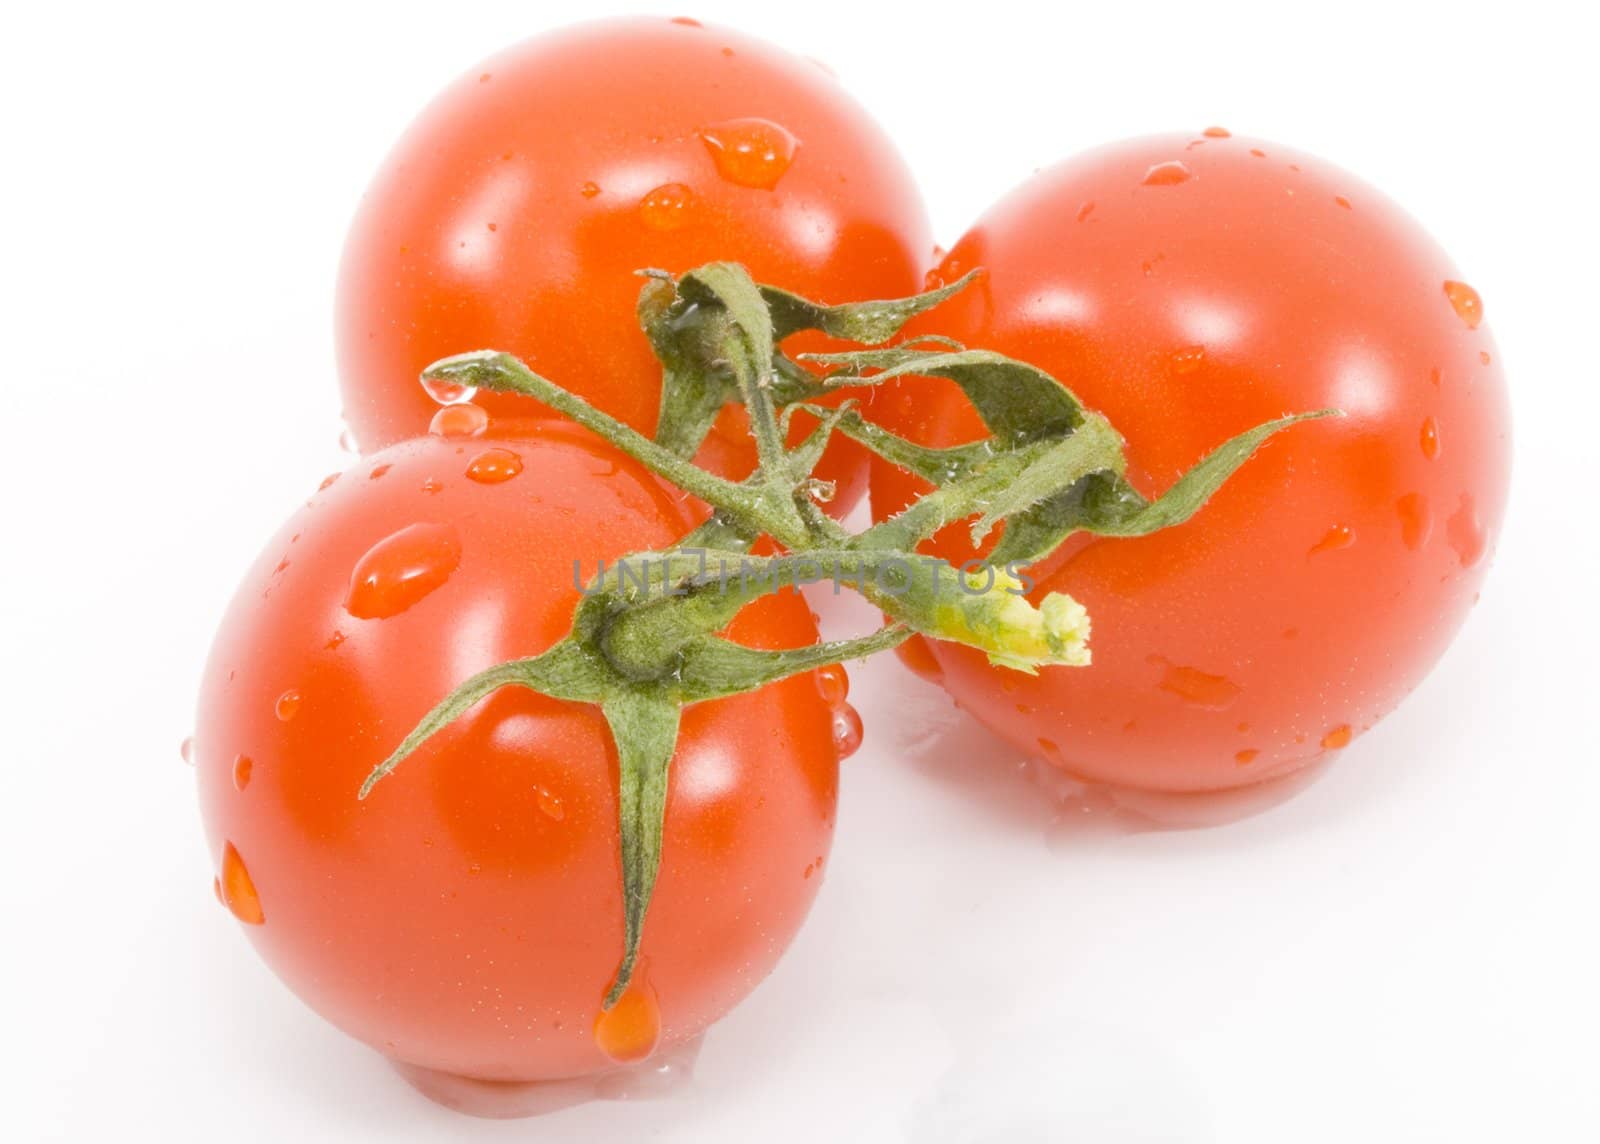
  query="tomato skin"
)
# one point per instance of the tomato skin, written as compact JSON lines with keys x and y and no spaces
{"x":467,"y":916}
{"x":1321,"y":583}
{"x":515,"y":211}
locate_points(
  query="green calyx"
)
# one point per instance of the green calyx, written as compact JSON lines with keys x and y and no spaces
{"x":644,"y":641}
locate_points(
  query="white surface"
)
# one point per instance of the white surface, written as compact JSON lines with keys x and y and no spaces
{"x":1407,"y":951}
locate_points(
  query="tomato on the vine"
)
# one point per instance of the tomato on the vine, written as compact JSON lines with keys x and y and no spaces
{"x":1189,"y":287}
{"x":468,"y":916}
{"x":515,"y":211}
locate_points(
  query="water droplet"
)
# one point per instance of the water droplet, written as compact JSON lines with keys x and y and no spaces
{"x":238,"y":891}
{"x":833,"y":683}
{"x":401,"y":569}
{"x":493,"y":466}
{"x":485,"y":77}
{"x":288,"y":705}
{"x":1192,"y":685}
{"x":1344,"y":202}
{"x":1483,"y":356}
{"x":335,"y":639}
{"x":1466,"y":532}
{"x":1430,"y":439}
{"x":1217,"y":133}
{"x":1338,"y":738}
{"x":1468,"y":306}
{"x":589,"y":190}
{"x":327,"y":481}
{"x":1188,"y":359}
{"x":348,"y":442}
{"x":242,"y":766}
{"x":1085,"y":211}
{"x":1246,"y":757}
{"x":1339,"y":536}
{"x":448,"y":392}
{"x":667,"y":207}
{"x":750,"y":152}
{"x":1167,"y":174}
{"x":378,"y":471}
{"x":1258,"y":153}
{"x":1416,"y":521}
{"x":846,"y":731}
{"x":630,"y":1029}
{"x":459,"y":421}
{"x":432,"y":485}
{"x":186,"y":750}
{"x":687,"y":21}
{"x":549,"y":804}
{"x":216,"y":888}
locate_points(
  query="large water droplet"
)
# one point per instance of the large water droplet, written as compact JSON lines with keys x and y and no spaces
{"x":238,"y":891}
{"x":242,"y":767}
{"x":1416,"y":521}
{"x":667,"y":207}
{"x":751,"y":152}
{"x":549,"y":804}
{"x":401,"y":569}
{"x":288,"y":705}
{"x":833,"y":683}
{"x":1168,"y":174}
{"x":1192,"y":685}
{"x":347,"y":441}
{"x":630,"y":1029}
{"x":1468,"y":306}
{"x":1247,"y":756}
{"x":846,"y":731}
{"x":1217,"y":133}
{"x":1337,"y":537}
{"x":448,"y":392}
{"x":1466,"y":532}
{"x":493,"y":466}
{"x":459,"y":421}
{"x":1338,"y":738}
{"x":1430,"y":438}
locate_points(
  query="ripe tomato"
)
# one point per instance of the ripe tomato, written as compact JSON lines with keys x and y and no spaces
{"x":515,"y":211}
{"x":1189,"y":288}
{"x":467,"y":917}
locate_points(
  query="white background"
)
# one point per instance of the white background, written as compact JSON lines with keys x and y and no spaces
{"x":1407,"y":951}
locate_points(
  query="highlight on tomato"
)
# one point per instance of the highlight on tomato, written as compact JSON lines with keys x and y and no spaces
{"x":517,"y":209}
{"x":1188,"y":286}
{"x":465,"y":920}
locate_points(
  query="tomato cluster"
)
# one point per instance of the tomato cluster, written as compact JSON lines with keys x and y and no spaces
{"x":465,"y":920}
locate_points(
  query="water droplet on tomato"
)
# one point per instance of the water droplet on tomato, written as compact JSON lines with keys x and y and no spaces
{"x":1258,"y":153}
{"x":493,"y":466}
{"x":378,"y":471}
{"x":238,"y":891}
{"x":1430,"y":438}
{"x":1483,"y":356}
{"x":186,"y":750}
{"x":750,"y":152}
{"x":401,"y":569}
{"x":1188,"y":359}
{"x":1466,"y":532}
{"x":1217,"y":133}
{"x":1344,"y":202}
{"x":348,"y":442}
{"x":833,"y":683}
{"x":846,"y":731}
{"x":288,"y":705}
{"x":448,"y":392}
{"x":549,"y":804}
{"x":1338,"y":738}
{"x":589,"y":190}
{"x":459,"y":421}
{"x":667,"y":207}
{"x":1246,"y":757}
{"x":687,"y":21}
{"x":1416,"y":521}
{"x":1464,"y":299}
{"x":1192,"y":685}
{"x":327,"y":481}
{"x":432,"y":485}
{"x":1168,"y":174}
{"x":1339,"y":536}
{"x":216,"y":889}
{"x":1085,"y":211}
{"x":242,"y":766}
{"x":630,"y":1029}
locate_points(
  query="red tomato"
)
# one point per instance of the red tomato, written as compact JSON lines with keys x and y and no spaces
{"x":1189,"y":288}
{"x":467,"y":917}
{"x":515,"y":211}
